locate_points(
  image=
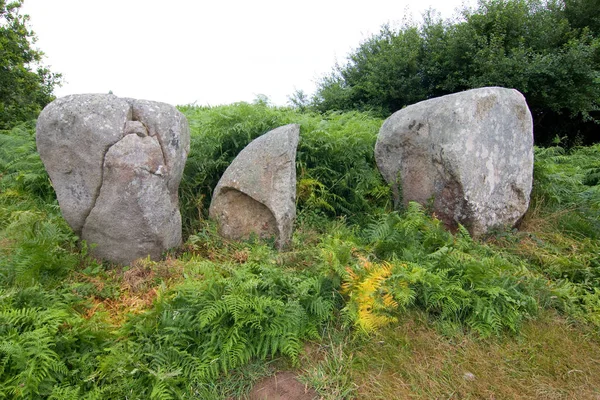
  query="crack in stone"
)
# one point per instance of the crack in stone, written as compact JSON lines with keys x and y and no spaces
{"x":155,"y":135}
{"x":99,"y":188}
{"x":162,"y":151}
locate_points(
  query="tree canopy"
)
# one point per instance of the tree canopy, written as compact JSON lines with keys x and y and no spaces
{"x":25,"y":85}
{"x":549,"y":50}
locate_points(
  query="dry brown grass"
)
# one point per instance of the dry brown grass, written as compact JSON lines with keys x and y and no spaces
{"x":550,"y":359}
{"x":138,"y":287}
{"x":539,"y":219}
{"x":548,"y":250}
{"x":6,"y":245}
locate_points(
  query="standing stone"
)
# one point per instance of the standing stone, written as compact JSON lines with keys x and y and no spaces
{"x":257,"y":192}
{"x":116,"y":165}
{"x":469,"y":155}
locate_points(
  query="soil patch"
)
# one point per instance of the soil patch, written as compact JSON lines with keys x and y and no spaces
{"x":282,"y":386}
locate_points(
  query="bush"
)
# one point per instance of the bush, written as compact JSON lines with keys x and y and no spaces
{"x":537,"y":47}
{"x":25,"y":85}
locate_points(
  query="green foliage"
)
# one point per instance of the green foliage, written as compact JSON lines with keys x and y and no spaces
{"x":29,"y":363}
{"x":565,"y":216}
{"x":39,"y":247}
{"x":217,"y":136}
{"x":537,"y":47}
{"x":452,"y":277}
{"x":212,"y":325}
{"x":583,"y":14}
{"x":331,"y":179}
{"x":37,"y":242}
{"x":383,"y":75}
{"x":21,"y":169}
{"x":46,"y":349}
{"x":336,"y":168}
{"x":567,"y":180}
{"x":25,"y":85}
{"x":222,"y":304}
{"x":299,"y":100}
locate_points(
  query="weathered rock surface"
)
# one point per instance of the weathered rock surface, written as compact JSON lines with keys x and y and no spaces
{"x":116,"y":165}
{"x":257,"y":192}
{"x":73,"y":135}
{"x":470,"y":154}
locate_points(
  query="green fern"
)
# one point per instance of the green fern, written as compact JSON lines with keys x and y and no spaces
{"x":331,"y":179}
{"x":452,"y":277}
{"x":30,"y":365}
{"x":207,"y":327}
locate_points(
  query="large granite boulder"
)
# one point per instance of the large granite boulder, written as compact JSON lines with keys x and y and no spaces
{"x":257,"y":193}
{"x":116,"y":165}
{"x":469,"y":155}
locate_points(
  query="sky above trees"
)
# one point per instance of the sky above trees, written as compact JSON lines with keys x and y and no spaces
{"x":185,"y":51}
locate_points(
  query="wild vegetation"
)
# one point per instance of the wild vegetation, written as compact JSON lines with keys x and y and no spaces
{"x":26,"y":85}
{"x":368,"y":302}
{"x":549,"y":50}
{"x":185,"y":327}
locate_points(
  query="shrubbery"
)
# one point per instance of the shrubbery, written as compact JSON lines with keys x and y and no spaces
{"x":548,"y":50}
{"x":72,"y":327}
{"x":332,"y":180}
{"x":25,"y":84}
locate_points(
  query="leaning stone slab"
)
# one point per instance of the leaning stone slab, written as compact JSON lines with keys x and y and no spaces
{"x":116,"y":165}
{"x":257,"y":193}
{"x":469,"y":155}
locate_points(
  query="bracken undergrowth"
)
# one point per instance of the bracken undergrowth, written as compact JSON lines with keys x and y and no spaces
{"x":74,"y":327}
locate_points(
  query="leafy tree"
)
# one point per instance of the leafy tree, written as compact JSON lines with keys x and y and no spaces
{"x":583,"y":14}
{"x":530,"y":46}
{"x":299,"y":100}
{"x":548,"y":50}
{"x":382,"y":75}
{"x":25,"y":85}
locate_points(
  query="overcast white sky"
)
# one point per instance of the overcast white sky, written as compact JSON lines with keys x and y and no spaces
{"x":208,"y":52}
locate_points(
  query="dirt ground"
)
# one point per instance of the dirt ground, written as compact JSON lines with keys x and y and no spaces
{"x":282,"y":386}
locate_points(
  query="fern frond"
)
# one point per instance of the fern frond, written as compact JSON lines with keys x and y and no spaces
{"x":160,"y":391}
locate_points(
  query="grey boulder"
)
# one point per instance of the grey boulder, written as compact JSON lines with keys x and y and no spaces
{"x":257,"y":193}
{"x":116,"y":165}
{"x":469,"y":155}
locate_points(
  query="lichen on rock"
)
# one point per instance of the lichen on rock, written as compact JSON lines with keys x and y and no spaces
{"x":257,"y":193}
{"x":116,"y":165}
{"x":469,"y":155}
